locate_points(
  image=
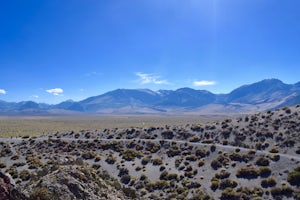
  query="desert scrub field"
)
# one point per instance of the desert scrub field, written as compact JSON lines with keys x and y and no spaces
{"x":37,"y":125}
{"x":260,"y":159}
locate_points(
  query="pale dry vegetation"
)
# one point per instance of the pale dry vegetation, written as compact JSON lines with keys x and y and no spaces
{"x":33,"y":126}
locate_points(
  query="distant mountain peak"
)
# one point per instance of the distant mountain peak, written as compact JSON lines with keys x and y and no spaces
{"x":266,"y":90}
{"x":148,"y":91}
{"x":268,"y":93}
{"x":69,"y":100}
{"x":271,"y":81}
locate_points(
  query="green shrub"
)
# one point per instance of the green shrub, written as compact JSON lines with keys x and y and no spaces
{"x":34,"y":162}
{"x":152,"y":147}
{"x":275,"y":157}
{"x":224,"y":160}
{"x":222,"y":175}
{"x":6,"y":151}
{"x":163,"y":175}
{"x":172,"y":177}
{"x":161,"y":184}
{"x":225,"y":142}
{"x":282,"y":191}
{"x":96,"y":166}
{"x":15,"y":157}
{"x":97,"y":158}
{"x":123,"y":171}
{"x":248,"y":193}
{"x":227,"y":183}
{"x":173,"y":151}
{"x":262,"y":161}
{"x":264,"y":171}
{"x":215,"y":184}
{"x":298,"y":150}
{"x":200,"y":195}
{"x":110,"y":159}
{"x":145,"y":160}
{"x":191,"y":158}
{"x":125,"y":179}
{"x":88,"y":155}
{"x":201,"y":153}
{"x":247,"y":172}
{"x":270,"y":182}
{"x":213,"y":148}
{"x":129,"y":192}
{"x":2,"y":164}
{"x":229,"y":194}
{"x":194,"y":139}
{"x":19,"y":164}
{"x":157,"y":161}
{"x":168,"y":134}
{"x":273,"y":150}
{"x":196,"y":128}
{"x":294,"y":177}
{"x":201,"y":162}
{"x":236,"y":157}
{"x":40,"y":193}
{"x":138,"y":168}
{"x":178,"y":162}
{"x":12,"y":170}
{"x":215,"y":164}
{"x":130,"y":155}
{"x":24,"y":175}
{"x":143,"y":177}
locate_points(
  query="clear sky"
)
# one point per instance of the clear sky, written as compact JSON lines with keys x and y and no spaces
{"x":54,"y":50}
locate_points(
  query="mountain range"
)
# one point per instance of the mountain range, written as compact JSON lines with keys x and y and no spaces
{"x":264,"y":95}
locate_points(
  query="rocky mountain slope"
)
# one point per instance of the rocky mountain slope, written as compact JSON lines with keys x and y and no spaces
{"x":263,"y":95}
{"x":249,"y":157}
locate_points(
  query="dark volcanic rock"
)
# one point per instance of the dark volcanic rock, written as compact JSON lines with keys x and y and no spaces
{"x":8,"y":190}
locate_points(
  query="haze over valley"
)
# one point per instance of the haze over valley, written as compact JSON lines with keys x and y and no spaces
{"x":260,"y":96}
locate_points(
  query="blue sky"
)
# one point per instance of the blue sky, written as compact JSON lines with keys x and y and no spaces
{"x":55,"y":50}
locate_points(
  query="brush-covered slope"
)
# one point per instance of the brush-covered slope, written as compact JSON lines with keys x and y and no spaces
{"x":249,"y":157}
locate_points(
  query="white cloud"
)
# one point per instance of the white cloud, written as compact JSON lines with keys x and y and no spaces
{"x":89,"y":74}
{"x":55,"y":91}
{"x":203,"y":83}
{"x":2,"y":91}
{"x":150,"y":79}
{"x":35,"y":96}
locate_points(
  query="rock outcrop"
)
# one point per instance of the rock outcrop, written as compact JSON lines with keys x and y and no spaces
{"x":8,"y":190}
{"x":73,"y":182}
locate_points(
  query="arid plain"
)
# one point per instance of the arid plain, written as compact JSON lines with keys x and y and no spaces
{"x":12,"y":126}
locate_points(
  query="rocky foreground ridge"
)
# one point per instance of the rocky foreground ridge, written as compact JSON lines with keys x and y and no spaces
{"x":65,"y":182}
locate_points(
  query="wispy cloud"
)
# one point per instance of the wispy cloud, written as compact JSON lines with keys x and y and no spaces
{"x":35,"y":96}
{"x":150,"y":79}
{"x":55,"y":91}
{"x":204,"y":83}
{"x":2,"y":91}
{"x":89,"y":74}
